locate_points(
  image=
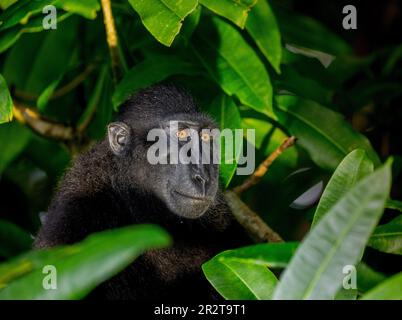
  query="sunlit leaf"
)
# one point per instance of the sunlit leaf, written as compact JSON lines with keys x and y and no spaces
{"x":236,"y":11}
{"x":239,"y":72}
{"x":163,"y":18}
{"x":315,"y":271}
{"x":390,"y":289}
{"x":353,"y":168}
{"x":225,"y":111}
{"x":6,"y":104}
{"x":263,"y":28}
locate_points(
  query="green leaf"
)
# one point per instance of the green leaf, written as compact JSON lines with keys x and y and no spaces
{"x":13,"y":139}
{"x":21,"y":12}
{"x":11,"y":35}
{"x":163,"y":18}
{"x":390,"y":289}
{"x":13,"y":239}
{"x":388,"y":237}
{"x":292,"y":81}
{"x":315,"y":271}
{"x":353,"y":168}
{"x":4,"y":4}
{"x":149,"y":72}
{"x":87,"y":8}
{"x":48,"y":92}
{"x":367,"y":278}
{"x":234,"y":10}
{"x":243,"y":273}
{"x":394,"y":205}
{"x":262,"y":27}
{"x":226,"y":113}
{"x":306,"y":32}
{"x":80,"y":267}
{"x":233,"y":64}
{"x":6,"y":104}
{"x":322,"y":132}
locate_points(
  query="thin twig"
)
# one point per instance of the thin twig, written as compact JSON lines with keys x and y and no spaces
{"x":263,"y":167}
{"x":42,"y":126}
{"x":112,"y":39}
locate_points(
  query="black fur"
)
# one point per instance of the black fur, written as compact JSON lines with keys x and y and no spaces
{"x":96,"y":195}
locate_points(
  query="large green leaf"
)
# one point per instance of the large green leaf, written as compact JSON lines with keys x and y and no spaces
{"x":233,"y":64}
{"x":243,"y":273}
{"x":308,"y":33}
{"x":6,"y":104}
{"x":80,"y":267}
{"x":388,"y":237}
{"x":163,"y":18}
{"x":353,"y":168}
{"x":234,"y":10}
{"x":13,"y":139}
{"x":322,"y":132}
{"x":149,"y":72}
{"x":226,"y":113}
{"x":315,"y":271}
{"x":390,"y":289}
{"x":13,"y":239}
{"x":263,"y":28}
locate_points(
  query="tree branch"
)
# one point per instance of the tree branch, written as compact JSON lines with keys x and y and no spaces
{"x":112,"y":39}
{"x":258,"y":230}
{"x":42,"y":126}
{"x":263,"y":167}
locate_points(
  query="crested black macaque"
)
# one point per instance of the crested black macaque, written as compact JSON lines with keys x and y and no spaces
{"x":114,"y":185}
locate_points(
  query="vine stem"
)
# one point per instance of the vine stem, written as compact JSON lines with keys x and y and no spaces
{"x":112,"y":39}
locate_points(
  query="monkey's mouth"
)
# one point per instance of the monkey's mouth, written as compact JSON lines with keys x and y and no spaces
{"x":193,"y":197}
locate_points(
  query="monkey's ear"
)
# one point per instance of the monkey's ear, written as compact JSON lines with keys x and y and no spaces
{"x":118,"y":134}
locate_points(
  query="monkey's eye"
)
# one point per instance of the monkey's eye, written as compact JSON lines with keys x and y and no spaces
{"x":182,"y":134}
{"x":205,"y":137}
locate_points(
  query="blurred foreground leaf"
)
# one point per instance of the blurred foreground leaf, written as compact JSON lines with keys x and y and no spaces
{"x":80,"y":267}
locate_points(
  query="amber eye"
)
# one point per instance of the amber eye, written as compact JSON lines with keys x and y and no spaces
{"x":182,"y":134}
{"x":205,"y":137}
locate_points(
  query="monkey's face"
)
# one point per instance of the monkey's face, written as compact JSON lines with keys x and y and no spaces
{"x":177,"y":162}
